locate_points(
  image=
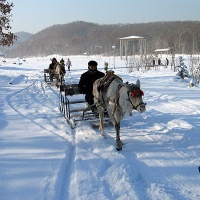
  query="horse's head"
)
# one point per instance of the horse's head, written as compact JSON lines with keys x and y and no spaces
{"x":135,"y":97}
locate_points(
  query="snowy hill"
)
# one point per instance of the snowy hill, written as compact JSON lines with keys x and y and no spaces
{"x":43,"y":158}
{"x":22,"y":37}
{"x":79,"y":37}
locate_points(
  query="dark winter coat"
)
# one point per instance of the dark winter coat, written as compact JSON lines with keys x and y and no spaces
{"x":87,"y":80}
{"x":52,"y":66}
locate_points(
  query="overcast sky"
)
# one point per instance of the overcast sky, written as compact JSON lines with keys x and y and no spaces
{"x":35,"y":15}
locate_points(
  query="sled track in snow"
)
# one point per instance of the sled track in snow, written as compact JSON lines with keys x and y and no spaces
{"x":38,"y":90}
{"x":65,"y":174}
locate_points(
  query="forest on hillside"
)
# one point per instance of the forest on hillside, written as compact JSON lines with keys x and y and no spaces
{"x":80,"y":37}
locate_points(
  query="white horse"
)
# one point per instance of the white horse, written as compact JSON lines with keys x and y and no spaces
{"x":117,"y":98}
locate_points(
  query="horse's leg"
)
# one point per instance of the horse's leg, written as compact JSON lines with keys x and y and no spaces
{"x":57,"y":81}
{"x":118,"y":141}
{"x":101,"y":125}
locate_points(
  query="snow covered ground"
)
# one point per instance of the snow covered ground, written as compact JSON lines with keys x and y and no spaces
{"x":42,"y":158}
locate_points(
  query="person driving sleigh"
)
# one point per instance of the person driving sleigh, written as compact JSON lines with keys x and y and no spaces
{"x":87,"y":80}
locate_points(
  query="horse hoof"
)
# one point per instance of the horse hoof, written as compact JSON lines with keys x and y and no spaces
{"x":118,"y":149}
{"x":119,"y":145}
{"x":104,"y":136}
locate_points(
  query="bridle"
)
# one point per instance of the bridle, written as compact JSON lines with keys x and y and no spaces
{"x":135,"y":91}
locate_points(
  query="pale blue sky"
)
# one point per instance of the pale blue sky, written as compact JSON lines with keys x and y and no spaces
{"x":35,"y":15}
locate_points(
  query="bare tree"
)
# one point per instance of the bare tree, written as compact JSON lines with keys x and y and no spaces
{"x":6,"y":36}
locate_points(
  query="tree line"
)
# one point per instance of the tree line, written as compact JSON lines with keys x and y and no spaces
{"x":78,"y":38}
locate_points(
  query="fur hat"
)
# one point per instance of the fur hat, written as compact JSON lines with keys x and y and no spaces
{"x":53,"y":59}
{"x":92,"y":63}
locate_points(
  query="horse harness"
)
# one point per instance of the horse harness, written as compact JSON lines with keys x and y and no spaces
{"x":104,"y":84}
{"x":135,"y":91}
